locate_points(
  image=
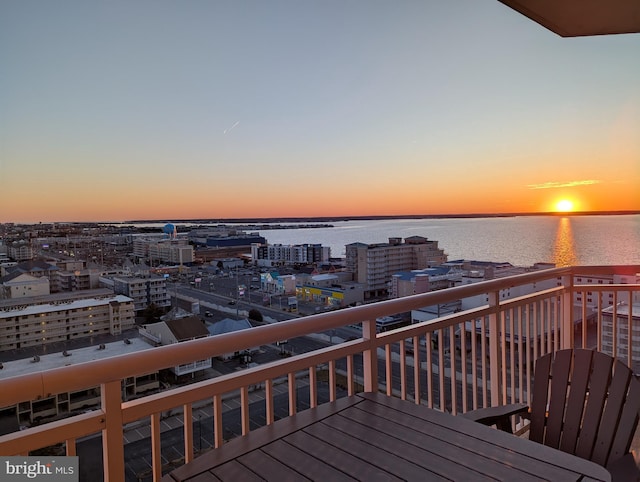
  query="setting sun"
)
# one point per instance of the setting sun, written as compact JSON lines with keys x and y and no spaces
{"x":564,"y":206}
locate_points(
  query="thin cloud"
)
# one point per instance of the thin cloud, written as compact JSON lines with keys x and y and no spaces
{"x":555,"y":184}
{"x":231,"y":128}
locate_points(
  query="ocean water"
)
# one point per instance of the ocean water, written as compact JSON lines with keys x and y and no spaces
{"x":519,"y":240}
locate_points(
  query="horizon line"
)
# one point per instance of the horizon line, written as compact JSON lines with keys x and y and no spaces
{"x":342,"y":218}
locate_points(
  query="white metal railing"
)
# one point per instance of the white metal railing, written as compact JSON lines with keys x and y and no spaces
{"x":473,"y":358}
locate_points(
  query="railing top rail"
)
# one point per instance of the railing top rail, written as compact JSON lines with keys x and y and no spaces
{"x":83,"y":375}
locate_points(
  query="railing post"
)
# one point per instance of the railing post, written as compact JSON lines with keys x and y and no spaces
{"x":567,"y":335}
{"x":370,"y":357}
{"x":494,"y":349}
{"x":112,"y":434}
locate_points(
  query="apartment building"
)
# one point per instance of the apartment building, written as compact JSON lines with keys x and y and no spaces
{"x":155,"y":251}
{"x":594,"y":299}
{"x":20,"y":250}
{"x":25,"y":325}
{"x":374,"y":264}
{"x":615,"y":326}
{"x":280,"y":255}
{"x":144,"y":291}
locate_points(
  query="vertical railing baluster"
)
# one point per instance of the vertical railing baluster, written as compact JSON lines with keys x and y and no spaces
{"x":388,"y":369}
{"x":313,"y":387}
{"x":292,"y":394}
{"x":332,"y":381}
{"x":614,"y":331}
{"x":453,"y":371}
{"x":218,"y":428}
{"x":350,"y":376}
{"x":599,"y":322}
{"x":630,"y":329}
{"x":503,"y":358}
{"x":522,"y":337}
{"x":494,"y":348}
{"x":244,"y":409}
{"x":512,"y":352}
{"x":585,"y":324}
{"x":370,"y":357}
{"x":463,"y":365}
{"x":535,"y":332}
{"x":429,"y":368}
{"x":441,"y":369}
{"x":156,"y":453}
{"x":403,"y":370}
{"x":416,"y":368}
{"x":187,"y":410}
{"x":70,"y":447}
{"x":268,"y":400}
{"x":483,"y":357}
{"x":474,"y":364}
{"x":112,"y":434}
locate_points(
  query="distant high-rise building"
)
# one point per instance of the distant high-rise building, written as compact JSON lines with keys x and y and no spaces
{"x":374,"y":264}
{"x":279,"y":254}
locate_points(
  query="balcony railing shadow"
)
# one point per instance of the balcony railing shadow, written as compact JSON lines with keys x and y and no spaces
{"x":477,"y":357}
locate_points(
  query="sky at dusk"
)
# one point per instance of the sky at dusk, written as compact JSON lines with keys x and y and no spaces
{"x":125,"y":110}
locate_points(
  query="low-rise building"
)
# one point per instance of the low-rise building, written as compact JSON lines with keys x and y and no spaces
{"x":417,"y":281}
{"x":177,"y":330}
{"x":229,"y":325}
{"x":274,"y":283}
{"x":23,"y":285}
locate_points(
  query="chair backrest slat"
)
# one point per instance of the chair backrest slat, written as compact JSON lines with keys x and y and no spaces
{"x":582,"y":361}
{"x":627,"y":424}
{"x":539,"y":397}
{"x":560,"y":380}
{"x":598,"y":387}
{"x":612,"y":411}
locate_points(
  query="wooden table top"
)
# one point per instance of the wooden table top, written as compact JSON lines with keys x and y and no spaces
{"x":374,"y":437}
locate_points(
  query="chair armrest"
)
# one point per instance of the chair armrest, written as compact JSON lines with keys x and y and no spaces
{"x":498,"y":416}
{"x":624,"y":469}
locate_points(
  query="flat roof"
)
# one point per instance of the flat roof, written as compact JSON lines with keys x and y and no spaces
{"x":50,"y":361}
{"x":24,"y":310}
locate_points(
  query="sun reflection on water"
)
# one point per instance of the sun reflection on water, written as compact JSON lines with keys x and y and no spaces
{"x":564,"y":248}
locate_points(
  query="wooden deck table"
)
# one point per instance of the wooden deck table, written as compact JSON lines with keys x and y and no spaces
{"x":374,"y":437}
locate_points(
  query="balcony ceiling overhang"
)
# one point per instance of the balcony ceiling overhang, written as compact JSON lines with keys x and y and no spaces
{"x":576,"y":18}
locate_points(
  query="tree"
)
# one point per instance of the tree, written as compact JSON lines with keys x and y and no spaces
{"x":152,"y":313}
{"x":255,"y":315}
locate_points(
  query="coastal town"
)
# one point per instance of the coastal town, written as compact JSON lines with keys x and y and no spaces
{"x":74,"y":292}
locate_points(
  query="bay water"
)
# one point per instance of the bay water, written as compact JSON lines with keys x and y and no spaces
{"x":519,"y":240}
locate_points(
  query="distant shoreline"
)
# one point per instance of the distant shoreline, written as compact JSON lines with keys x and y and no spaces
{"x":327,"y":219}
